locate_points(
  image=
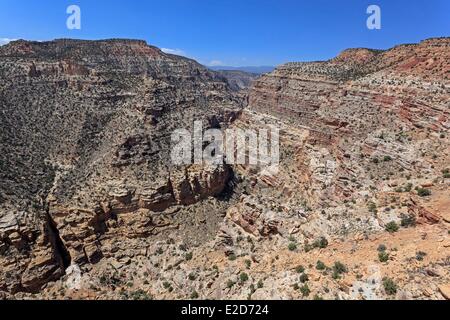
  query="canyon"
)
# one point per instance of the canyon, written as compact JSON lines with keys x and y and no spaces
{"x":91,"y":206}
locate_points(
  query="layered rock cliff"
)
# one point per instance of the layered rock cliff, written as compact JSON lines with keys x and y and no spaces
{"x":91,"y":206}
{"x":85,"y":137}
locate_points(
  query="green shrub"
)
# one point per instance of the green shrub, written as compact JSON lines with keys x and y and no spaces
{"x":408,"y":220}
{"x":389,"y":286}
{"x":292,"y":246}
{"x":446,"y":173}
{"x":260,"y":284}
{"x":243,"y":277}
{"x":188,"y":256}
{"x":383,"y":256}
{"x":339,"y":268}
{"x":372,"y":207}
{"x":304,"y":278}
{"x":305,"y":290}
{"x":320,"y":265}
{"x":408,"y":187}
{"x":392,"y":227}
{"x":230,"y":284}
{"x":387,"y":159}
{"x":420,"y":255}
{"x":194,"y":295}
{"x":192,"y":276}
{"x":300,"y":269}
{"x":335,"y":275}
{"x":422,"y":192}
{"x":382,"y":248}
{"x":140,"y":295}
{"x":321,"y":243}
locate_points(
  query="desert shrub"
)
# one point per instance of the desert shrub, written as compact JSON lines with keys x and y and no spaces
{"x":304,"y":278}
{"x":135,"y":295}
{"x":321,"y":243}
{"x":139,"y":295}
{"x":408,"y":187}
{"x":320,"y":265}
{"x":372,"y":207}
{"x":300,"y":269}
{"x":192,"y":276}
{"x":420,"y":255}
{"x":243,"y":277}
{"x":383,"y":256}
{"x":305,"y":290}
{"x":194,"y":295}
{"x":446,"y":173}
{"x":422,"y":192}
{"x":339,"y":267}
{"x":382,"y":248}
{"x":230,"y":284}
{"x":292,"y":246}
{"x":308,"y":247}
{"x":389,"y":286}
{"x":392,"y":227}
{"x":407,"y":220}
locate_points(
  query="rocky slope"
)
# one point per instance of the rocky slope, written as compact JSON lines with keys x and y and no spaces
{"x":91,"y":207}
{"x":86,"y":147}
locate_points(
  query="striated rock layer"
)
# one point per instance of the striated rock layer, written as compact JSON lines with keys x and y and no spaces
{"x":85,"y":139}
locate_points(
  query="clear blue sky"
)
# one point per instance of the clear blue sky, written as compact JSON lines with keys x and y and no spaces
{"x":233,"y":32}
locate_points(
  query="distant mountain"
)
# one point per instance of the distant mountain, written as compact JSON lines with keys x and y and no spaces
{"x":238,"y":80}
{"x":257,"y":70}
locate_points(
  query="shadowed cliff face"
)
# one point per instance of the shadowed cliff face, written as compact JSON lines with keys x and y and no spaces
{"x":86,"y":178}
